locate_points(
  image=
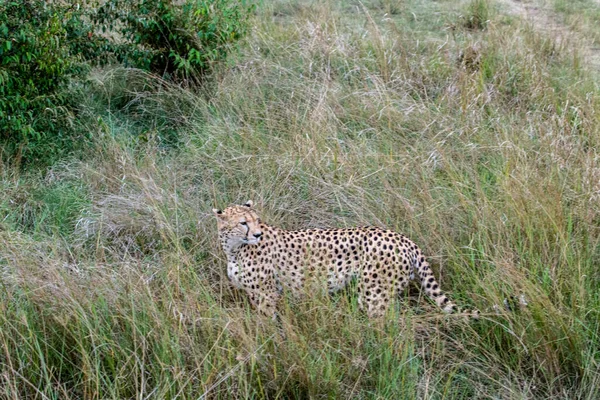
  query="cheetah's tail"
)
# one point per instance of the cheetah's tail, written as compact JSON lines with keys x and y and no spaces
{"x":432,"y":289}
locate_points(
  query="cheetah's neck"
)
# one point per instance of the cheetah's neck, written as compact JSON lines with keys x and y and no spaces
{"x":231,"y":251}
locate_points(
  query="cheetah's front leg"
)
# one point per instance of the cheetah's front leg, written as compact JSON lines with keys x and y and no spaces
{"x":265,"y":302}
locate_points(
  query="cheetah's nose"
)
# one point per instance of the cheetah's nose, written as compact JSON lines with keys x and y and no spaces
{"x":258,"y":234}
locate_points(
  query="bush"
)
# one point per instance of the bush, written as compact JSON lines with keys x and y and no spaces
{"x":83,"y":39}
{"x":43,"y":46}
{"x":181,"y":40}
{"x":36,"y":65}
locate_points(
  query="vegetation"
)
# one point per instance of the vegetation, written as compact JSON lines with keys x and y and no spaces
{"x":36,"y":106}
{"x":180,"y":39}
{"x":43,"y":46}
{"x":581,"y":16}
{"x":477,"y":142}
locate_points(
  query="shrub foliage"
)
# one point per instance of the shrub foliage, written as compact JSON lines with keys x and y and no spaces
{"x":46,"y":47}
{"x":36,"y":64}
{"x":180,"y":40}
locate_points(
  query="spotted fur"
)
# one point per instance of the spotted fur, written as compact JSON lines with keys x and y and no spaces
{"x":262,"y":259}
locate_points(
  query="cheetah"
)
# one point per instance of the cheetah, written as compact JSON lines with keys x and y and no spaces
{"x":262,"y":259}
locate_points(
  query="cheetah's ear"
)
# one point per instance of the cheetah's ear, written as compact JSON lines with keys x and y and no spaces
{"x":217,"y":211}
{"x":249,"y":204}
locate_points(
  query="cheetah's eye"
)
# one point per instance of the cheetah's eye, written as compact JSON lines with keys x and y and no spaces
{"x":244,"y":223}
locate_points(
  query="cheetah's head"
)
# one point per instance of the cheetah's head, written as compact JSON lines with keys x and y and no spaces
{"x":239,"y":225}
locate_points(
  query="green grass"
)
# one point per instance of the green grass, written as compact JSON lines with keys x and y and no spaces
{"x":479,"y":144}
{"x":580,"y":15}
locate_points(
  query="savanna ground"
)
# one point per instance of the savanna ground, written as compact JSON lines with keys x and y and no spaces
{"x":459,"y":123}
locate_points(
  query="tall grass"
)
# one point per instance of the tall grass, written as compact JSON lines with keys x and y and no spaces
{"x":478,"y":144}
{"x":583,"y":17}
